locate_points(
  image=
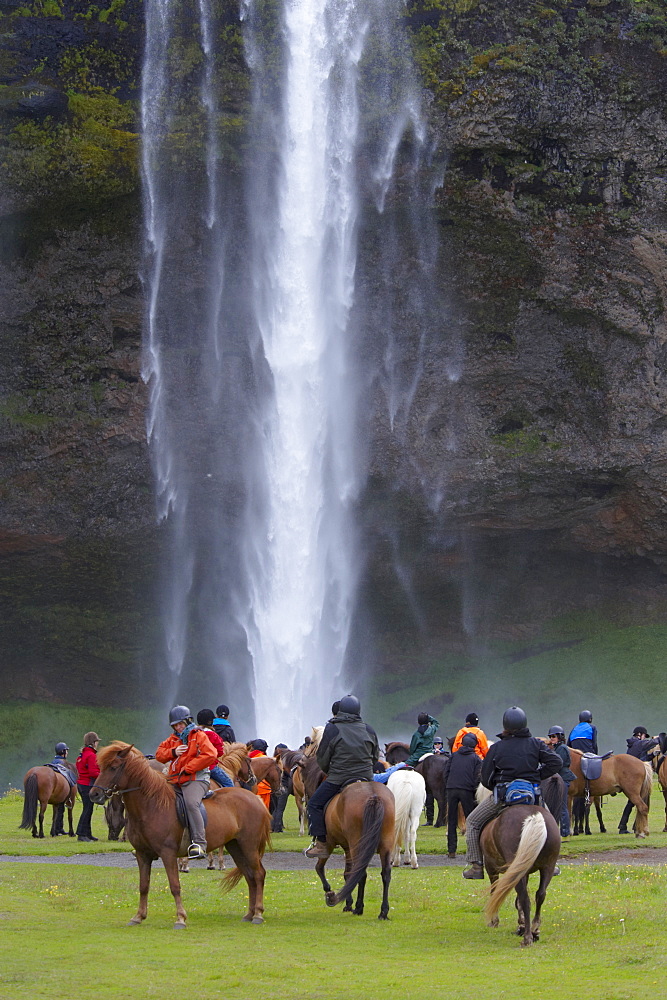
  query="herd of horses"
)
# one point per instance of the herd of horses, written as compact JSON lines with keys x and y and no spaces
{"x":364,"y":819}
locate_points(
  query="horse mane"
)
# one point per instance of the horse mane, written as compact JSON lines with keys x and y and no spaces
{"x":316,"y":736}
{"x":138,"y":771}
{"x":233,"y":757}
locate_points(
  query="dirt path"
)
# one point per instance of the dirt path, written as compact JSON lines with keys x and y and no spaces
{"x":294,"y":861}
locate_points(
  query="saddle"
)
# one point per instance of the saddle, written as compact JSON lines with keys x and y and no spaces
{"x":591,"y":764}
{"x":182,"y":812}
{"x":65,"y":771}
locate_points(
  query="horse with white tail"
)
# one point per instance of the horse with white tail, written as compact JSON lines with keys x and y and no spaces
{"x":409,"y":791}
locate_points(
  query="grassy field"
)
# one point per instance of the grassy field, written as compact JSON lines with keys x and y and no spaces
{"x":601,"y":935}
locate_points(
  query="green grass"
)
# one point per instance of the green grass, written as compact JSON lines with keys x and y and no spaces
{"x":69,"y":937}
{"x":429,"y":839}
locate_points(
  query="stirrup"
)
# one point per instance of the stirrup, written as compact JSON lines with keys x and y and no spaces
{"x":196,"y":851}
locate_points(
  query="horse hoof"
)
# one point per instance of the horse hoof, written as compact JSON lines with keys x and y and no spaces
{"x":383,"y":916}
{"x":330,"y":898}
{"x":179,"y":925}
{"x":134,"y":922}
{"x":258,"y":920}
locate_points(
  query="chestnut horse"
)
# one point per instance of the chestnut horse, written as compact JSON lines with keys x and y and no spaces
{"x":521,"y":840}
{"x":46,"y":786}
{"x":236,"y":818}
{"x":361,"y":820}
{"x":659,"y":764}
{"x":620,"y":773}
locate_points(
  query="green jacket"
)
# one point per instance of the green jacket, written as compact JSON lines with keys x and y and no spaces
{"x":422,"y":742}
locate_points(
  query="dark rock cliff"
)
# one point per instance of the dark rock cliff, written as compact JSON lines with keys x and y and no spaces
{"x":538,"y":402}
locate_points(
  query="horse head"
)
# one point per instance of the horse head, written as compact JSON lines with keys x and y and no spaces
{"x":112,"y":767}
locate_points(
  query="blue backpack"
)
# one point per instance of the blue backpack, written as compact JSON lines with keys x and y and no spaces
{"x":520,"y":792}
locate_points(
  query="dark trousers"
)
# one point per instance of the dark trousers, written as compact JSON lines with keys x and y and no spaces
{"x":83,"y":826}
{"x":625,"y":815}
{"x":467,"y":800}
{"x":430,"y":808}
{"x":316,"y":803}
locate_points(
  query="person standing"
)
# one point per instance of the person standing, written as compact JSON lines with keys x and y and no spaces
{"x":638,"y":746}
{"x":259,"y":748}
{"x":556,"y":738}
{"x":190,"y":755}
{"x":87,"y":770}
{"x":422,"y":739}
{"x":584,"y":736}
{"x":461,"y":776}
{"x":472,"y":726}
{"x":347,"y":752}
{"x":517,"y":754}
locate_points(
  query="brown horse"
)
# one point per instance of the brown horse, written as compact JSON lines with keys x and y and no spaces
{"x":44,"y":785}
{"x":521,"y":840}
{"x":235,"y":817}
{"x":620,"y":773}
{"x":288,"y":761}
{"x":396,"y":752}
{"x":659,"y":764}
{"x":266,"y":769}
{"x":361,"y":820}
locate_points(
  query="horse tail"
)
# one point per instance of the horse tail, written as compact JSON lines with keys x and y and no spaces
{"x":553,"y":789}
{"x":647,"y":784}
{"x":533,"y":838}
{"x":30,"y":800}
{"x":231,"y":879}
{"x":367,"y":845}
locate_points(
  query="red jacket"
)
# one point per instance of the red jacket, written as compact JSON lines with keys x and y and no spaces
{"x":200,"y":754}
{"x":215,"y":740}
{"x":87,"y":766}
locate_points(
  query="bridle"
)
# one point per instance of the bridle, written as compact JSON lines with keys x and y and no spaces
{"x":113,"y":789}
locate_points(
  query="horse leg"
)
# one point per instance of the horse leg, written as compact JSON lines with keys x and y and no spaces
{"x":442,"y":808}
{"x":641,"y":816}
{"x":493,"y":877}
{"x":171,"y":868}
{"x":540,"y":896}
{"x":411,"y":848}
{"x":144,"y":863}
{"x":587,"y":818}
{"x":523,"y":906}
{"x":664,"y":795}
{"x":386,"y":879}
{"x":348,"y":868}
{"x":598,"y":813}
{"x":42,"y":810}
{"x":254,"y":873}
{"x":319,"y":868}
{"x":359,"y":908}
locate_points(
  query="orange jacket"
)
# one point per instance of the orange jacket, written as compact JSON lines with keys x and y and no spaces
{"x":482,"y":747}
{"x":199,"y":755}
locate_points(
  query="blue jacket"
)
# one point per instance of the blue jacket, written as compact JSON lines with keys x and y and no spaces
{"x":584,"y":737}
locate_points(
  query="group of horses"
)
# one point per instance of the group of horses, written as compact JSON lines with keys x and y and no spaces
{"x":365,"y":818}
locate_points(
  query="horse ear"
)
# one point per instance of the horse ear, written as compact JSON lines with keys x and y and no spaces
{"x":126,"y":751}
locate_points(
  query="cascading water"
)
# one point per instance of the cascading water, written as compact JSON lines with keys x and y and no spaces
{"x":254,"y":343}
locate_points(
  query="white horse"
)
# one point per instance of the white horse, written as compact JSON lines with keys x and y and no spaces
{"x":409,"y":790}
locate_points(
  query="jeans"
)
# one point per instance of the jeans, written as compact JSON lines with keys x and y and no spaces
{"x":221,"y":777}
{"x":316,"y":803}
{"x":565,"y":813}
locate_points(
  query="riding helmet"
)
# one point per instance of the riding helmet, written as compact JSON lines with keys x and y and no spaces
{"x":514,"y":719}
{"x":556,"y":731}
{"x":260,"y":745}
{"x":472,"y":719}
{"x":61,"y":748}
{"x":469,"y":740}
{"x":350,"y":705}
{"x":585,"y":716}
{"x":222,"y":711}
{"x":179,"y":713}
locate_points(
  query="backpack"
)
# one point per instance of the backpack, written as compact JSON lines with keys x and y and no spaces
{"x":519,"y":792}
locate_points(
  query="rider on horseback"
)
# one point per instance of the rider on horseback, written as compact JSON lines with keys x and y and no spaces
{"x":62,"y":765}
{"x":190,"y":754}
{"x":516,"y":755}
{"x":584,"y":736}
{"x":346,"y":753}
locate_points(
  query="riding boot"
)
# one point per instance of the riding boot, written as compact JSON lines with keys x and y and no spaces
{"x":475,"y":871}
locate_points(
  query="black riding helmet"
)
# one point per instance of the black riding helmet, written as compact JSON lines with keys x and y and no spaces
{"x":556,"y":731}
{"x":585,"y":716}
{"x":61,"y":749}
{"x":472,"y":719}
{"x":514,"y":719}
{"x":180,"y":713}
{"x":350,"y":705}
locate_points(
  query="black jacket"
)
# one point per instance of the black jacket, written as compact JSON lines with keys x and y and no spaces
{"x":564,"y":754}
{"x":639,"y":748}
{"x":348,"y":749}
{"x":519,"y":755}
{"x":463,"y":770}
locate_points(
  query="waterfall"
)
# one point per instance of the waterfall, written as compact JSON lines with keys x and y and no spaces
{"x":254,"y":340}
